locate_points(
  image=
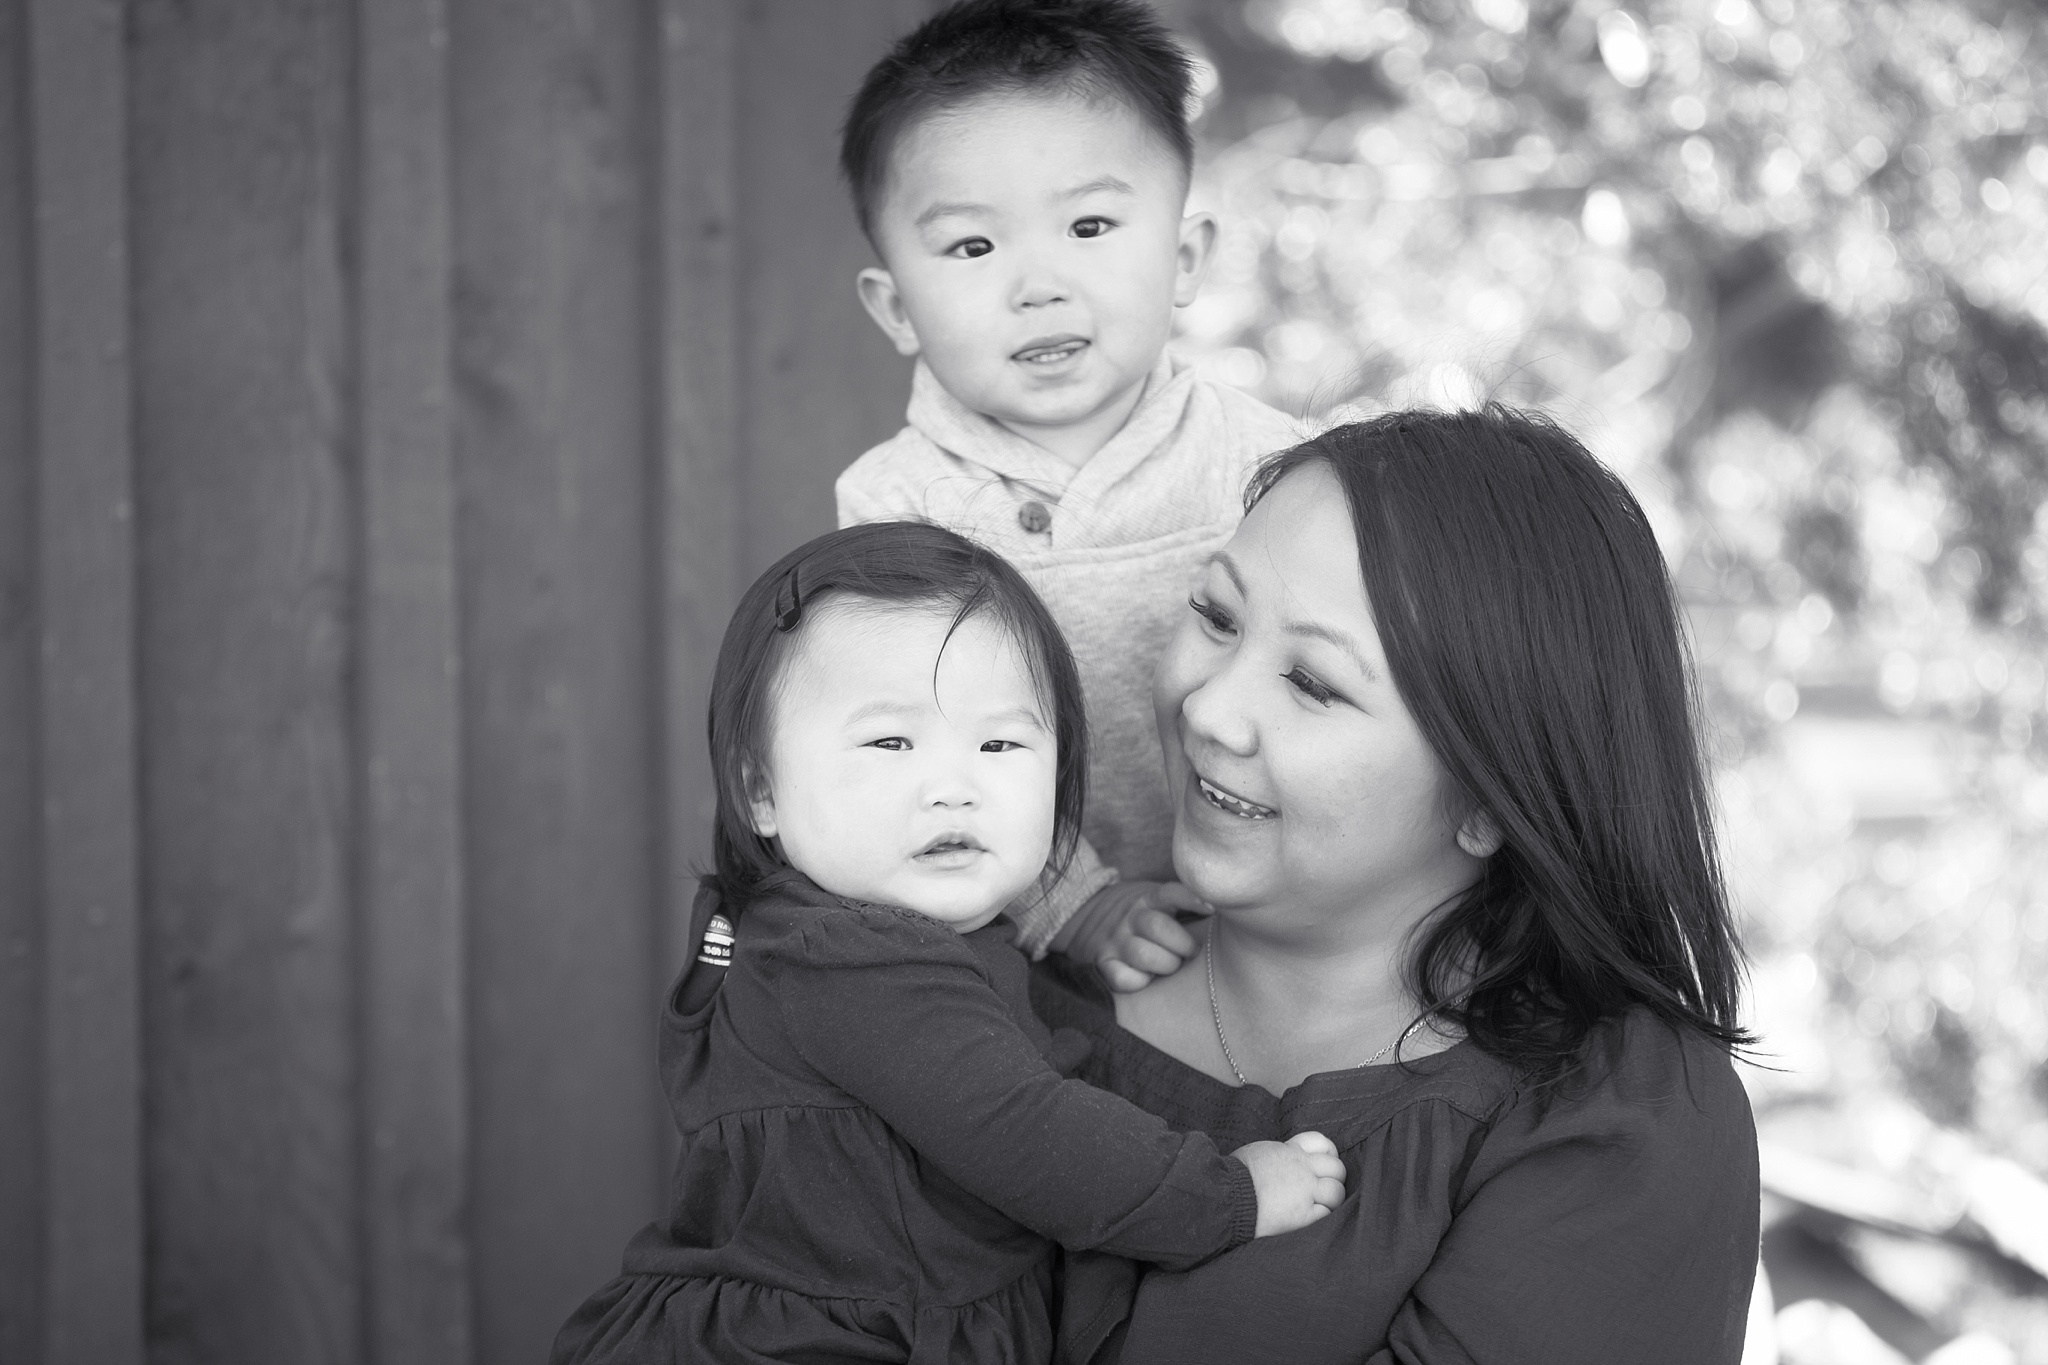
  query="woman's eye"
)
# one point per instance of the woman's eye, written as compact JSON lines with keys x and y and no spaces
{"x":1215,"y":617}
{"x":971,"y":247}
{"x":1309,"y":687}
{"x":1092,"y":227}
{"x":894,"y":743}
{"x":999,"y":746}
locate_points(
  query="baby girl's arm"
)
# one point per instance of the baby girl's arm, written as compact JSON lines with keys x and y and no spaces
{"x":923,"y":1039}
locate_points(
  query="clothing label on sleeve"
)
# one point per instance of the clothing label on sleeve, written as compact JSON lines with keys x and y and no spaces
{"x":717,"y":948}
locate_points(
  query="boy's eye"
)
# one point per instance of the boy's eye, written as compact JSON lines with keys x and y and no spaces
{"x":894,"y":743}
{"x":1214,"y":616}
{"x":1092,"y":227}
{"x":1309,"y":687}
{"x":971,"y":247}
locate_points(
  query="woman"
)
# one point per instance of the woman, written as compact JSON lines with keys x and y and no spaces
{"x":1427,"y":726}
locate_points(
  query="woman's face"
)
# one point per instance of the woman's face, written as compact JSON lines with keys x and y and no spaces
{"x":1301,"y":783}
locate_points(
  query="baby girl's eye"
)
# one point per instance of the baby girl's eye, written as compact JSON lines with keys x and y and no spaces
{"x":1092,"y":227}
{"x":1217,"y":619}
{"x":1309,"y":687}
{"x":894,"y":743}
{"x":999,"y":746}
{"x":971,"y":247}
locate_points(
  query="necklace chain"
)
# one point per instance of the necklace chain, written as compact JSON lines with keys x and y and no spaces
{"x":1216,"y":1014}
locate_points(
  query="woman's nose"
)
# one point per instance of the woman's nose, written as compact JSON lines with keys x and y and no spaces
{"x":1217,"y":711}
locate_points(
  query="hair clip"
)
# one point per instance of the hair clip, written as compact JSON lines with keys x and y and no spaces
{"x":787,"y":616}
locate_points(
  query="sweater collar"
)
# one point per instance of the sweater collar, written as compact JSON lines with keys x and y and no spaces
{"x":949,"y":424}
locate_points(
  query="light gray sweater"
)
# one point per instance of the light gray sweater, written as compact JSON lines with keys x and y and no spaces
{"x":1113,"y":546}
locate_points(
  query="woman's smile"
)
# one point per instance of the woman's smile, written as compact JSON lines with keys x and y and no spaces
{"x":1230,"y":803}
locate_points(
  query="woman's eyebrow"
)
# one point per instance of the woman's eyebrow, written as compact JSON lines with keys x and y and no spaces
{"x":1349,"y":646}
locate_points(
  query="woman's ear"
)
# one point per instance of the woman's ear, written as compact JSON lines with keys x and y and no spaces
{"x":760,"y":801}
{"x":1479,"y":835}
{"x":884,"y":302}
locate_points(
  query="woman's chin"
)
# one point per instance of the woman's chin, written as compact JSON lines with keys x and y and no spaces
{"x":1215,"y":873}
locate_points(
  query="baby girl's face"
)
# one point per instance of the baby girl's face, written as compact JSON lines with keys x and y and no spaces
{"x":905,"y":773}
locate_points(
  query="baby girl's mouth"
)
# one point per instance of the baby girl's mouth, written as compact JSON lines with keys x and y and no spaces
{"x":950,"y":847}
{"x":1233,"y":805}
{"x":1051,"y":350}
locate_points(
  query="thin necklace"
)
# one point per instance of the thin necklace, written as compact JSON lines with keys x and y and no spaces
{"x":1216,"y":1013}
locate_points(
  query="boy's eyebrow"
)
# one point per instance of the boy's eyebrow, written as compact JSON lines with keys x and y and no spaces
{"x":1101,"y":184}
{"x":945,"y":209}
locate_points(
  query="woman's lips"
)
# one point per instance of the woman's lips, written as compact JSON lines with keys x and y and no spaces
{"x":1230,"y":803}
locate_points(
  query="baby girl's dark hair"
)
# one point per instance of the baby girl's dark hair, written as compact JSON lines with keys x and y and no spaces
{"x":910,"y":563}
{"x":1113,"y":49}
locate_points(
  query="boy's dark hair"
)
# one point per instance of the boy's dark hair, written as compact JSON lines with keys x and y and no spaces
{"x":1111,"y":49}
{"x":910,"y":563}
{"x":1530,"y":627}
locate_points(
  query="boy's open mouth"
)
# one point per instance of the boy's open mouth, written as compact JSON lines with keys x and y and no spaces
{"x":1231,"y":804}
{"x":1051,"y":350}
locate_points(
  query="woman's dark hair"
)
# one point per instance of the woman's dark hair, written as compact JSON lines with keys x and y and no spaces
{"x":1107,"y":48}
{"x":1531,"y":629}
{"x":904,"y":563}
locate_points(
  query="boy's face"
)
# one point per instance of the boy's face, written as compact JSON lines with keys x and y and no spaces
{"x":910,"y":762}
{"x":1035,"y":252}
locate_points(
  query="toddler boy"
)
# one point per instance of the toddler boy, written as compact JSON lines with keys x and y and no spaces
{"x":1022,"y":170}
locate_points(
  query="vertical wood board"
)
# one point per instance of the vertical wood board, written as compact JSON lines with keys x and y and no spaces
{"x":21,"y":941}
{"x":84,"y":570}
{"x":239,"y":143}
{"x":699,"y":466}
{"x":821,"y":384}
{"x":414,"y":978}
{"x":554,"y":454}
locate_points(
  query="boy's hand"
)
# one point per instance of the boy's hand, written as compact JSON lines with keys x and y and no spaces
{"x":1299,"y":1180}
{"x":1127,"y":929}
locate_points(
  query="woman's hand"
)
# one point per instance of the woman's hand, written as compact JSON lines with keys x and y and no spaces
{"x":1299,"y":1180}
{"x":1128,"y":930}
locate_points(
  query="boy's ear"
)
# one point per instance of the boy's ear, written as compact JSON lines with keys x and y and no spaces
{"x":879,"y":296}
{"x":1197,"y":245}
{"x":760,"y":801}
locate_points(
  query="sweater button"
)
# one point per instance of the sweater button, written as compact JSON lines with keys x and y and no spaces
{"x":1034,"y":517}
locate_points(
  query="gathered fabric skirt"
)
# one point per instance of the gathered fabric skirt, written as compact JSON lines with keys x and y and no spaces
{"x":665,"y":1319}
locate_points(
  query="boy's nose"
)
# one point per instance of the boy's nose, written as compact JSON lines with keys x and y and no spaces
{"x":1039,"y":291}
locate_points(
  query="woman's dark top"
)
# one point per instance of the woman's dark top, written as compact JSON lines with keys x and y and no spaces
{"x":876,"y":1148}
{"x":1618,"y":1224}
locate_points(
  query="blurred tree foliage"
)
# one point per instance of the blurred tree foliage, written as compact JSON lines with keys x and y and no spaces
{"x":1785,"y":266}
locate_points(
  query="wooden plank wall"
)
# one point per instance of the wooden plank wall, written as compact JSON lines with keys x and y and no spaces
{"x":394,"y":396}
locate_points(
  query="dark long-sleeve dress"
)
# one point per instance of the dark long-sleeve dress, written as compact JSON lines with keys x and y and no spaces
{"x":878,"y":1154}
{"x":1616,"y":1226}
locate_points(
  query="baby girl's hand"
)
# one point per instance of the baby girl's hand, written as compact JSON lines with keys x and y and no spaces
{"x":1299,"y":1180}
{"x":1127,"y":929}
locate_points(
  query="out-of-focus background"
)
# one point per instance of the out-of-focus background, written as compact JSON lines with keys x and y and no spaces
{"x":394,"y":395}
{"x":1785,"y":266}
